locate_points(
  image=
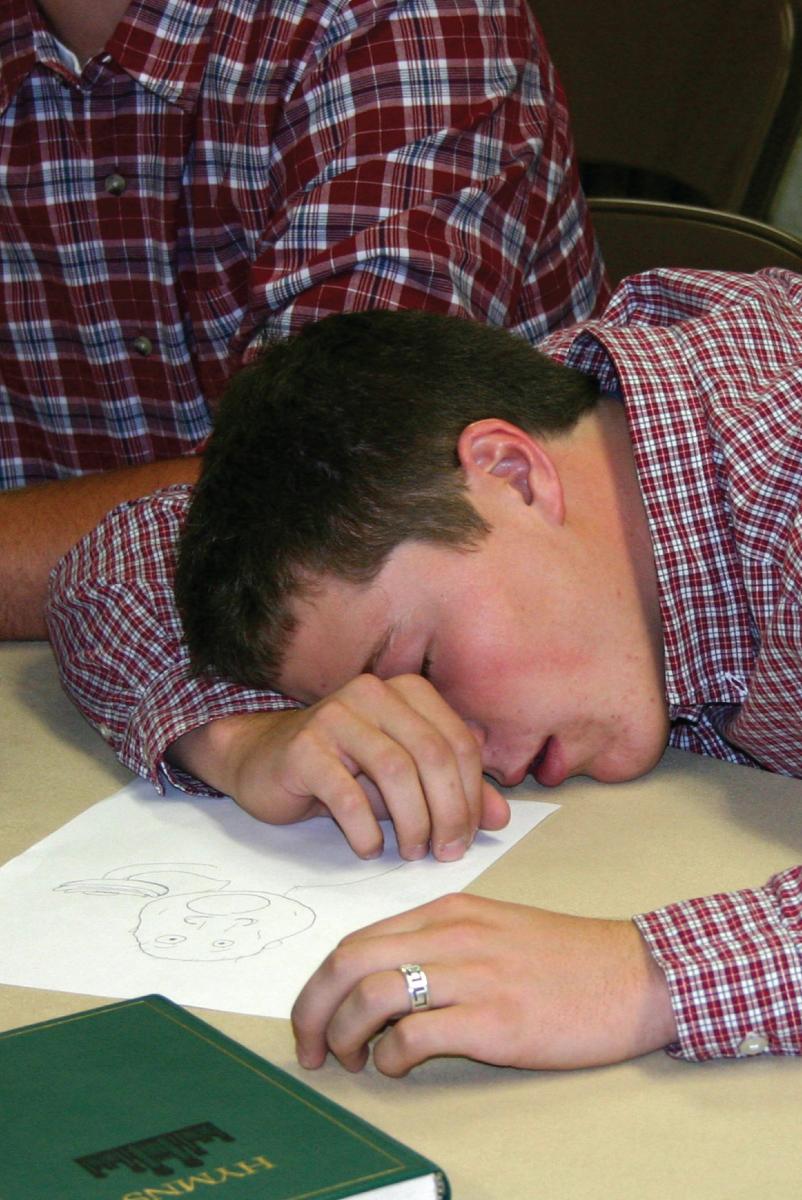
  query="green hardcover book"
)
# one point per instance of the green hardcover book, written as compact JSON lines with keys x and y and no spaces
{"x":140,"y":1100}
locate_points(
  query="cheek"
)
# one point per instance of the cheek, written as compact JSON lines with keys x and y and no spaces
{"x":484,"y":674}
{"x":509,"y":661}
{"x":544,"y":658}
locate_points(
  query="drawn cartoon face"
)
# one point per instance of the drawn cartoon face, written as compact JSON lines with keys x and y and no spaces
{"x":214,"y":926}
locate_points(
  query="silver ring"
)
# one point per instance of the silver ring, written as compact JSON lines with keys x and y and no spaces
{"x":417,"y":985}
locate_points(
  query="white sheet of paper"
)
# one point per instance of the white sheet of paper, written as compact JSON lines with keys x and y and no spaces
{"x":193,"y":898}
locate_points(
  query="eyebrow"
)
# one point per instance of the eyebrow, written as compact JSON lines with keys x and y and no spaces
{"x":369,"y":666}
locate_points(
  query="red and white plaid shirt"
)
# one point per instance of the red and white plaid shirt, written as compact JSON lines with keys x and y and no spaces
{"x":709,"y":367}
{"x":231,"y":167}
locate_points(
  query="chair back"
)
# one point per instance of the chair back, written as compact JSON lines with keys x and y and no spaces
{"x":671,"y":99}
{"x":635,"y":235}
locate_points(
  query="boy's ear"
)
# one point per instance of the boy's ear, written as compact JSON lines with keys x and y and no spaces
{"x":494,"y":450}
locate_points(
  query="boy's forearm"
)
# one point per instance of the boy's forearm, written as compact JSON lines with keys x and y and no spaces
{"x":213,"y":752}
{"x":38,"y":525}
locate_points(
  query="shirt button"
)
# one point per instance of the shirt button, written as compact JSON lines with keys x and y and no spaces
{"x":143,"y":345}
{"x":753,"y":1043}
{"x":115,"y":184}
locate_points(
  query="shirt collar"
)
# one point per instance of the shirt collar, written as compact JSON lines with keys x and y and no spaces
{"x":706,"y":621}
{"x":162,"y":45}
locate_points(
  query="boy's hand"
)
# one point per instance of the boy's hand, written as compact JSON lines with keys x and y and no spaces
{"x":508,"y":984}
{"x":375,"y":748}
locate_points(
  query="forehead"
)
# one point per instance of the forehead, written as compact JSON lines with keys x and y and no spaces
{"x":339,"y":626}
{"x":343,"y":628}
{"x":424,"y":591}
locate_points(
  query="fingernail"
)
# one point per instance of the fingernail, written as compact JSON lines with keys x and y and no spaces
{"x":417,"y":851}
{"x":451,"y":850}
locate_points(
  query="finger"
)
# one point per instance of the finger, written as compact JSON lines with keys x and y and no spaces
{"x":338,"y":792}
{"x":383,"y":947}
{"x":495,"y":812}
{"x":487,"y":807}
{"x":378,"y":999}
{"x":326,"y":991}
{"x":428,"y":771}
{"x":381,"y":745}
{"x":448,"y":761}
{"x":456,"y":1029}
{"x":375,"y":799}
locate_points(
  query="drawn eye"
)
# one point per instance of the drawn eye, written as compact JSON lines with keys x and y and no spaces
{"x":170,"y":939}
{"x":222,"y":944}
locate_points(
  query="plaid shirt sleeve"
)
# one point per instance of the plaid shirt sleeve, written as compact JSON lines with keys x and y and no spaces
{"x":425,"y":159}
{"x":734,"y":969}
{"x":118,"y":640}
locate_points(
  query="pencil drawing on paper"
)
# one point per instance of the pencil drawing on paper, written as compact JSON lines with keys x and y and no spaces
{"x":192,"y":914}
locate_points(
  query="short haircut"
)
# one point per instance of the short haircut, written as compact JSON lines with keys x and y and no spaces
{"x":333,"y":448}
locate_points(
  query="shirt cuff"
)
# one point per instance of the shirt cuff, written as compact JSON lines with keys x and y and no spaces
{"x":172,"y":705}
{"x":732,"y":963}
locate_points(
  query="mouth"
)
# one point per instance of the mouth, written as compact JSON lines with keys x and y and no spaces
{"x":548,"y":766}
{"x":539,"y":759}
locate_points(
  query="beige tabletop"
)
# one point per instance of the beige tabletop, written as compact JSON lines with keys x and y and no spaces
{"x":654,"y":1128}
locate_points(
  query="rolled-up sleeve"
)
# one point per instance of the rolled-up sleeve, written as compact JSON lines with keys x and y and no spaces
{"x":118,"y":642}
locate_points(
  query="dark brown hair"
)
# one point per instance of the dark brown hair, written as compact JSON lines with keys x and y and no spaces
{"x":334,"y":447}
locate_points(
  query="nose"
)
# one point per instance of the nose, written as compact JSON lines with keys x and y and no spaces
{"x":502,"y":765}
{"x":508,"y":775}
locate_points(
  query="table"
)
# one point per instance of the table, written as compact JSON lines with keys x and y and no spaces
{"x":653,"y":1128}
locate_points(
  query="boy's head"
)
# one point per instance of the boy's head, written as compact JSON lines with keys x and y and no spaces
{"x":388,"y":488}
{"x":336,"y":446}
